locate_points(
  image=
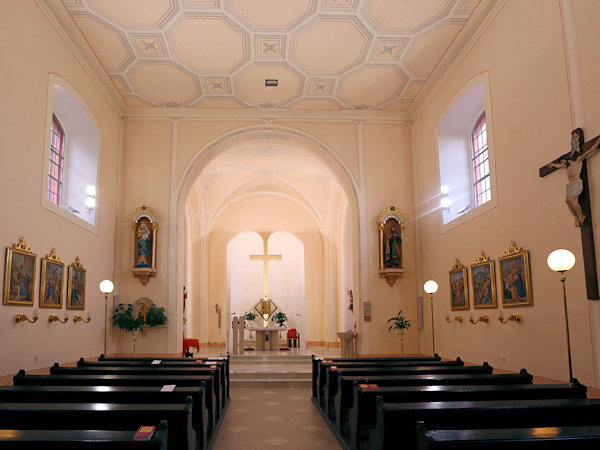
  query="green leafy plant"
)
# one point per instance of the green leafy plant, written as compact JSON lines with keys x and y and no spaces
{"x":155,"y":316}
{"x":279,"y":317}
{"x":249,"y":316}
{"x":123,"y":318}
{"x":399,"y":322}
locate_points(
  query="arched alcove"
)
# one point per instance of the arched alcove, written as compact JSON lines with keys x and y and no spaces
{"x":268,"y":180}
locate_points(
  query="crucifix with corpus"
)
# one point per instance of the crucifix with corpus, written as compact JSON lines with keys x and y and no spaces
{"x":265,"y":307}
{"x":578,"y":200}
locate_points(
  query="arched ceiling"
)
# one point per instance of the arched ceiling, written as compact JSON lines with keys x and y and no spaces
{"x":266,"y":163}
{"x":217,"y":54}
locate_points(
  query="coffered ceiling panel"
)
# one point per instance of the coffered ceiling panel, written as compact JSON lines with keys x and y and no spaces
{"x":217,"y":54}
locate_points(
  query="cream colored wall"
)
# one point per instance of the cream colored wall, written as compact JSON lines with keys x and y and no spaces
{"x":266,"y":215}
{"x":531,"y":126}
{"x":146,"y":180}
{"x":385,"y":146}
{"x":31,"y":49}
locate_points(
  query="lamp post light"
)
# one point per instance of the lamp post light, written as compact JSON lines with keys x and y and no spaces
{"x":106,"y":287}
{"x":561,"y":261}
{"x":431,"y":287}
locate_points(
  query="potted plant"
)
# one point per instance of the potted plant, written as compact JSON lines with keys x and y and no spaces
{"x":279,"y":317}
{"x":249,"y":316}
{"x":123,"y":318}
{"x":399,"y":322}
{"x":155,"y":316}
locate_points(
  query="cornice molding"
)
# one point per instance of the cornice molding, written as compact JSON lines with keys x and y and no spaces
{"x":64,"y":26}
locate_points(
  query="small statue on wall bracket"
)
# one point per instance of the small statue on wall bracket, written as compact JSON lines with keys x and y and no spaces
{"x":390,"y":225}
{"x":144,"y":226}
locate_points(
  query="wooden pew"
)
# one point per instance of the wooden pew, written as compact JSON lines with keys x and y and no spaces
{"x":331,"y":380}
{"x":222,"y":366}
{"x":344,"y":400}
{"x":170,"y":361}
{"x":81,"y":439}
{"x":546,"y":438}
{"x":115,"y":394}
{"x":316,"y":362}
{"x":109,"y":416}
{"x":396,"y":422}
{"x":324,"y":366}
{"x":362,"y":416}
{"x":220,"y":400}
{"x":22,"y":379}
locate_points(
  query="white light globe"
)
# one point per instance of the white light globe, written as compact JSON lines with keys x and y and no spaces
{"x":446,"y":202}
{"x":561,"y":260}
{"x":430,"y":287}
{"x":444,"y":189}
{"x":90,"y":202}
{"x":106,"y":286}
{"x":90,"y":190}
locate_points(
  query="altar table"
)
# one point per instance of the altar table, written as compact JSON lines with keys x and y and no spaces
{"x":267,"y":338}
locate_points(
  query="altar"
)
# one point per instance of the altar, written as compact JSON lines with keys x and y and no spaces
{"x":267,"y":338}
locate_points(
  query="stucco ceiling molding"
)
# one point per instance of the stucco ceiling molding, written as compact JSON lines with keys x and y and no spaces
{"x":320,"y":87}
{"x":118,"y":40}
{"x":370,"y":92}
{"x":149,"y":45}
{"x":270,"y":47}
{"x":249,"y":84}
{"x":395,"y":16}
{"x":202,"y":4}
{"x":156,"y":19}
{"x":188,"y":51}
{"x":217,"y":86}
{"x":156,"y":91}
{"x":340,"y":5}
{"x":388,"y":49}
{"x":298,"y":16}
{"x":324,"y":57}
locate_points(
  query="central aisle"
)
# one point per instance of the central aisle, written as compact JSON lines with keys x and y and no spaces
{"x":263,"y":418}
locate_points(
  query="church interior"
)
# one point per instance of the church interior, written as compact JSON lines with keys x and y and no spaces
{"x":328,"y":157}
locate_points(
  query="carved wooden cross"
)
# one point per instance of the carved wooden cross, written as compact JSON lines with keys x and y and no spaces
{"x":587,"y":234}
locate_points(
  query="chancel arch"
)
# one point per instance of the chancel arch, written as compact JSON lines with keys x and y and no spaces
{"x":269,"y":181}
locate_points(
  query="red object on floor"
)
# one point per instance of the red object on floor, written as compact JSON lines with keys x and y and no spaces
{"x":283,"y":349}
{"x":190,"y":342}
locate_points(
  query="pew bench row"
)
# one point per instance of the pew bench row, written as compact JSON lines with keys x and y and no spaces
{"x":379,"y":406}
{"x":189,"y":395}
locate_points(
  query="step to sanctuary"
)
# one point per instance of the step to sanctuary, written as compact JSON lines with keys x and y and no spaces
{"x":270,"y":371}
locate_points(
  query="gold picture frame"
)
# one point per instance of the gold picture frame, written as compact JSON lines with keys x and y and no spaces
{"x":76,"y":286}
{"x":459,"y":287}
{"x":19,"y":275}
{"x":483,"y":283}
{"x":515,"y":277}
{"x":144,"y":226}
{"x":51,"y":281}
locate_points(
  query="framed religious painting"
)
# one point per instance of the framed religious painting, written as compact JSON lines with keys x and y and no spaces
{"x":51,"y":281}
{"x":390,"y":225}
{"x":515,"y":277}
{"x":459,"y":288}
{"x":144,"y":226}
{"x":76,"y":286}
{"x":483,"y":280}
{"x":19,"y":275}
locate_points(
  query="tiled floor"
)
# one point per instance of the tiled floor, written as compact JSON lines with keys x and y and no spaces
{"x":273,"y":418}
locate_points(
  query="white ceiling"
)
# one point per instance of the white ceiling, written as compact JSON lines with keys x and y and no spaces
{"x":327,"y":55}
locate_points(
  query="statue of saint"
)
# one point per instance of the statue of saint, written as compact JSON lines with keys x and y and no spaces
{"x":392,"y":246}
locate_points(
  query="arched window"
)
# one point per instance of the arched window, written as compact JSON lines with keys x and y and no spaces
{"x":466,"y":162}
{"x":71,"y":152}
{"x":481,"y":163}
{"x":57,"y":160}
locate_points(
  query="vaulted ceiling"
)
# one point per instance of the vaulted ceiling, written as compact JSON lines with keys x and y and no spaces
{"x":217,"y":54}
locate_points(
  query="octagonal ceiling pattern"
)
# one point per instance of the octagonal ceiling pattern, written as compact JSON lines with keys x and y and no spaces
{"x":217,"y":54}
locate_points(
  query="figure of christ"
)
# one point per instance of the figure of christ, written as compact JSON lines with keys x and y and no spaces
{"x":573,"y":165}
